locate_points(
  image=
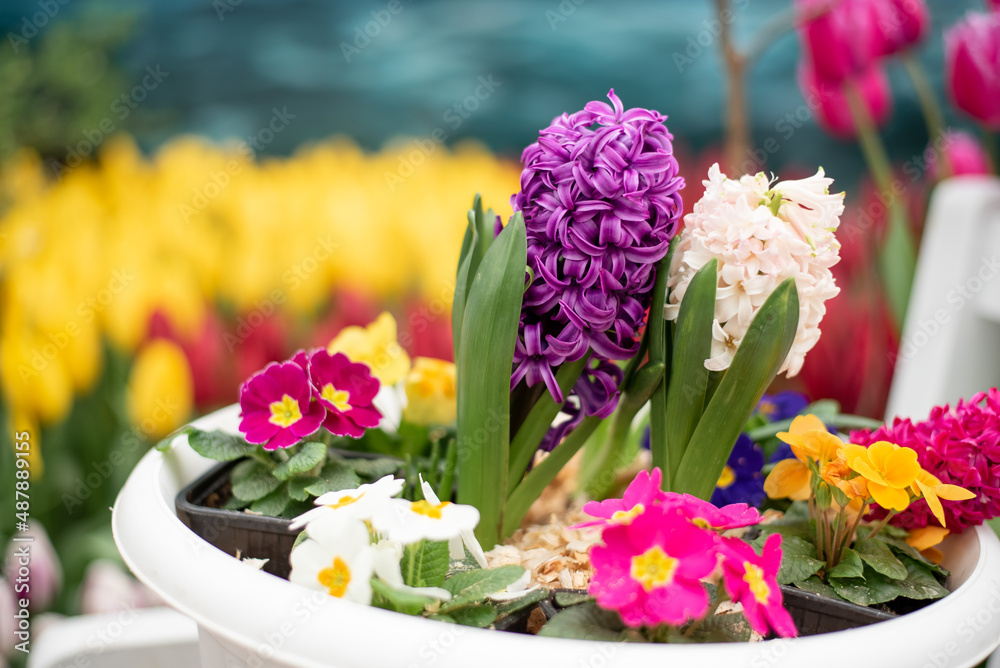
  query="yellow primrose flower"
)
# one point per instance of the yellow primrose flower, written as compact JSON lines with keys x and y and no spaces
{"x":789,"y":479}
{"x":810,"y":440}
{"x":889,"y":470}
{"x":933,"y":490}
{"x":376,"y":346}
{"x":160,"y":389}
{"x":431,"y":392}
{"x":926,"y":540}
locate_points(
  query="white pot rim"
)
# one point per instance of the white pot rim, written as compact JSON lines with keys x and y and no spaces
{"x":291,"y":624}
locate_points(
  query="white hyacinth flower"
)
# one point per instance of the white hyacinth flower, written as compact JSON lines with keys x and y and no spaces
{"x":337,"y":557}
{"x":409,"y":522}
{"x":357,"y":504}
{"x":388,"y":554}
{"x":761,"y":234}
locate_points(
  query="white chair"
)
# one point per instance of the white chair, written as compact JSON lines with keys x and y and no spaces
{"x":132,"y":638}
{"x":950,"y":347}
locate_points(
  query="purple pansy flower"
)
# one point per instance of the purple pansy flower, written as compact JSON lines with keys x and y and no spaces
{"x":741,"y":480}
{"x":277,"y":406}
{"x":600,"y":195}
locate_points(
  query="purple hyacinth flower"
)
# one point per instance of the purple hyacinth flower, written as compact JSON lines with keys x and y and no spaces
{"x":600,"y":195}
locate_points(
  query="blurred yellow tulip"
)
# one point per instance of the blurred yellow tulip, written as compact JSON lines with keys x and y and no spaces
{"x":376,"y":346}
{"x":160,"y":389}
{"x":431,"y":392}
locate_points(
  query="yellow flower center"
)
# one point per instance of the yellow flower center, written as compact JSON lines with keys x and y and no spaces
{"x":701,"y":522}
{"x":341,"y":399}
{"x":285,"y":413}
{"x":346,"y":501}
{"x":727,"y":478}
{"x":335,"y":578}
{"x":626,"y":516}
{"x":754,"y":577}
{"x":428,"y":509}
{"x":653,"y":568}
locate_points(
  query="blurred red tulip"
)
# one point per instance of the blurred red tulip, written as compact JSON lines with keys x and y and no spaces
{"x":830,"y":101}
{"x":256,"y":346}
{"x":425,"y":330}
{"x":349,"y":308}
{"x":972,"y":66}
{"x":965,"y":155}
{"x":837,"y":37}
{"x":899,"y":25}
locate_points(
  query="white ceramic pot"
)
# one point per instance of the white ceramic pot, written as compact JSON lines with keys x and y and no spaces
{"x":250,"y":618}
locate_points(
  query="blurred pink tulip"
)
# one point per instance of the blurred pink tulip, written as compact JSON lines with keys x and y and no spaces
{"x":107,"y":587}
{"x":972,"y":62}
{"x":830,"y":102}
{"x":837,"y":36}
{"x":965,"y":154}
{"x":44,"y":571}
{"x":899,"y":24}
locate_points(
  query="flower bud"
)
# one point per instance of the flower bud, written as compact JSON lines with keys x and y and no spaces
{"x":832,"y":110}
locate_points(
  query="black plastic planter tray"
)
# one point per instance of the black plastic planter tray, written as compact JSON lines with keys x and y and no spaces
{"x":233,"y":532}
{"x":814,"y":614}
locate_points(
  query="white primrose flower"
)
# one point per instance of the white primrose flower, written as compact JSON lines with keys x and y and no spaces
{"x":412,"y":521}
{"x":337,"y":557}
{"x":358,"y":504}
{"x":388,"y":554}
{"x":390,"y":402}
{"x":466,"y":537}
{"x":761,"y":234}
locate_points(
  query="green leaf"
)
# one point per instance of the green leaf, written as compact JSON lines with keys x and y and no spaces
{"x":219,"y":445}
{"x":489,"y":332}
{"x":295,"y":508}
{"x":816,"y":586}
{"x":692,"y":340}
{"x":252,"y":480}
{"x":850,"y":566}
{"x":761,"y":353}
{"x":479,"y":616}
{"x":303,"y":461}
{"x":425,"y":563}
{"x":468,"y":587}
{"x":564,"y":599}
{"x":373,"y":469}
{"x":235,"y":504}
{"x":901,"y":548}
{"x":872,"y":589}
{"x":520,"y":603}
{"x":585,"y":622}
{"x":825,"y":409}
{"x":273,"y":504}
{"x":164,"y":444}
{"x":658,"y":334}
{"x":798,"y":560}
{"x":920,"y":583}
{"x":462,"y":286}
{"x":406,"y":602}
{"x":877,"y":554}
{"x":334,"y":477}
{"x":297,"y":487}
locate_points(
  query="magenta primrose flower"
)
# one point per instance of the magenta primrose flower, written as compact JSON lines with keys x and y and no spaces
{"x":650,"y":570}
{"x":346,"y":390}
{"x":704,"y":514}
{"x":277,"y":406}
{"x":752,"y":580}
{"x":641,"y":493}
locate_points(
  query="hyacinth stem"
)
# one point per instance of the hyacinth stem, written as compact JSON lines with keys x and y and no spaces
{"x":539,"y":420}
{"x":544,"y":473}
{"x":658,"y":331}
{"x":897,"y":258}
{"x":933,"y":115}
